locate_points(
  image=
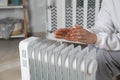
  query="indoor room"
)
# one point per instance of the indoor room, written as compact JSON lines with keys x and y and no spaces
{"x":59,"y":40}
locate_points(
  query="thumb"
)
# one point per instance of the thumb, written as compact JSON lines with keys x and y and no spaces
{"x":78,"y":26}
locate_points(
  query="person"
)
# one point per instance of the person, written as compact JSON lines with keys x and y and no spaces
{"x":105,"y":35}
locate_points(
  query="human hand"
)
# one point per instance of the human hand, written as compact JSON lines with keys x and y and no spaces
{"x":82,"y":35}
{"x":63,"y":33}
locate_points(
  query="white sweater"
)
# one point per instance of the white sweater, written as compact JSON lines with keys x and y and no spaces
{"x":107,"y":25}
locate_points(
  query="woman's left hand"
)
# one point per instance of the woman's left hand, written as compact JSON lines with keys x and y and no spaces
{"x":82,"y":35}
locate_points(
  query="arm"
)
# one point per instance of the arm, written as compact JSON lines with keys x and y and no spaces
{"x":108,"y":41}
{"x":104,"y":30}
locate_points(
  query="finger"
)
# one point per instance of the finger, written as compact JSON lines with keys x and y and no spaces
{"x":84,"y":41}
{"x":59,"y":33}
{"x":72,"y":30}
{"x":60,"y":37}
{"x":77,"y":34}
{"x":81,"y":38}
{"x":69,"y":38}
{"x":62,"y":29}
{"x":81,"y":41}
{"x":77,"y":30}
{"x":78,"y":26}
{"x":81,"y":32}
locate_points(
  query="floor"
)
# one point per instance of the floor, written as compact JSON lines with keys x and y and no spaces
{"x":9,"y":58}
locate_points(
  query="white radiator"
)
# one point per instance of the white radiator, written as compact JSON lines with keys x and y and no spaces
{"x":67,"y":13}
{"x":51,"y":60}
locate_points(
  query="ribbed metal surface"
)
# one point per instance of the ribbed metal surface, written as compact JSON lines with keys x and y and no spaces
{"x":50,"y":60}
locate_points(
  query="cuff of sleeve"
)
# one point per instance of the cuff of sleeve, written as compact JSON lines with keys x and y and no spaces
{"x":101,"y":40}
{"x":98,"y":42}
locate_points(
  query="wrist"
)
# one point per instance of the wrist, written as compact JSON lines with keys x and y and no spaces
{"x":95,"y":38}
